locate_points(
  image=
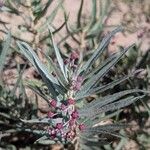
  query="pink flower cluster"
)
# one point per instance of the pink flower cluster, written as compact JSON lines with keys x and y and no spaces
{"x":76,"y":83}
{"x":74,"y":55}
{"x":64,"y":115}
{"x":71,"y":61}
{"x":64,"y":123}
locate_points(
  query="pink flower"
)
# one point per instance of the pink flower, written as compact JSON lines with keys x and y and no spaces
{"x":50,"y":114}
{"x":74,"y":55}
{"x":66,"y":61}
{"x":78,"y":86}
{"x":59,"y":126}
{"x":63,"y":107}
{"x":71,"y":101}
{"x":49,"y":130}
{"x":71,"y":134}
{"x":71,"y":122}
{"x":53,"y":134}
{"x":80,"y":79}
{"x":75,"y":115}
{"x":82,"y":127}
{"x":53,"y":103}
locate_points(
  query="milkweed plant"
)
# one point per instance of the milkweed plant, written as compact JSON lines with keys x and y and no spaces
{"x":69,"y":84}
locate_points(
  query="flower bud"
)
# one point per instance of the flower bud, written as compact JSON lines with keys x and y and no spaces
{"x":53,"y":134}
{"x":82,"y":127}
{"x":63,"y":107}
{"x":75,"y":115}
{"x":77,"y":86}
{"x":71,"y":101}
{"x":71,"y":134}
{"x":50,"y":114}
{"x":71,"y":122}
{"x":59,"y":126}
{"x":74,"y":55}
{"x":80,"y":79}
{"x":66,"y":61}
{"x":53,"y":103}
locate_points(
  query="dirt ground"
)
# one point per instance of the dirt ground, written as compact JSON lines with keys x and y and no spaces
{"x":135,"y":21}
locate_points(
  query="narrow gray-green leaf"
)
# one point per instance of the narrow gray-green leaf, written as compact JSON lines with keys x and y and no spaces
{"x":101,"y":131}
{"x":51,"y":81}
{"x":98,"y":26}
{"x":18,"y":81}
{"x":31,"y":55}
{"x":41,"y":139}
{"x":46,"y":142}
{"x":50,"y":18}
{"x":99,"y":50}
{"x":102,"y":88}
{"x":38,"y":132}
{"x":59,"y":74}
{"x":113,"y":106}
{"x":96,"y":121}
{"x":94,"y":80}
{"x":93,"y":17}
{"x":5,"y":51}
{"x":59,"y":58}
{"x":96,"y":69}
{"x":80,"y":14}
{"x":111,"y":127}
{"x":108,"y":99}
{"x":38,"y":91}
{"x":37,"y":121}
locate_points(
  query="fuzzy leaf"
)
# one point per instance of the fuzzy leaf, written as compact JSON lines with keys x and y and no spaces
{"x":31,"y":55}
{"x":104,"y":106}
{"x":59,"y":58}
{"x":102,"y":88}
{"x":111,"y":127}
{"x":18,"y":81}
{"x":51,"y":17}
{"x":97,"y":119}
{"x":98,"y":130}
{"x":51,"y":82}
{"x":4,"y":51}
{"x":116,"y":105}
{"x":38,"y":132}
{"x":94,"y":80}
{"x":38,"y":91}
{"x":59,"y":74}
{"x":80,"y":14}
{"x":36,"y":121}
{"x":99,"y":50}
{"x":98,"y":68}
{"x":93,"y":17}
{"x":99,"y":25}
{"x":87,"y":143}
{"x":41,"y":139}
{"x":119,"y":104}
{"x":46,"y":142}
